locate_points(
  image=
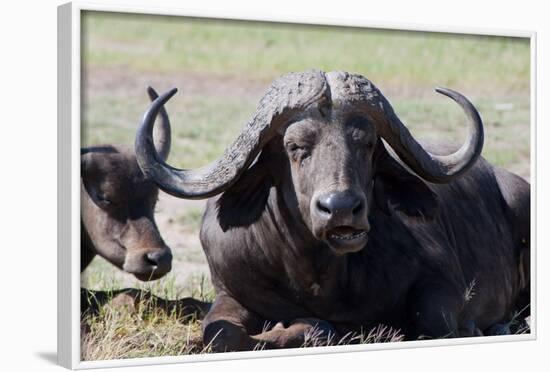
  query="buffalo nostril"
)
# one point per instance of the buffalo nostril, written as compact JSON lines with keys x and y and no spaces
{"x":323,"y":208}
{"x":160,"y":260}
{"x":358,"y":208}
{"x":153,"y":258}
{"x":346,"y":203}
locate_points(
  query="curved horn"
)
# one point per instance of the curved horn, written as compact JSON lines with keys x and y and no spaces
{"x":163,"y":132}
{"x":431,"y":167}
{"x":288,"y":95}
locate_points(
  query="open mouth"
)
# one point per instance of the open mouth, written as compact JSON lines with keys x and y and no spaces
{"x":345,"y":234}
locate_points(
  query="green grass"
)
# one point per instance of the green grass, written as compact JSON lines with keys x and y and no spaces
{"x":507,"y":133}
{"x":204,"y":125}
{"x":265,"y":50}
{"x":190,"y":219}
{"x":178,"y":51}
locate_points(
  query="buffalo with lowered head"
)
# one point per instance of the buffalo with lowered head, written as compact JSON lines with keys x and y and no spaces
{"x":327,"y":214}
{"x":117,"y":222}
{"x":118,"y":203}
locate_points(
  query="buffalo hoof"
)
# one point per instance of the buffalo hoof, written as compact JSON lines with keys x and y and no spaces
{"x":222,"y":336}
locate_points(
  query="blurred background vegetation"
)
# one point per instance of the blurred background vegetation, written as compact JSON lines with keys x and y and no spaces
{"x":222,"y":68}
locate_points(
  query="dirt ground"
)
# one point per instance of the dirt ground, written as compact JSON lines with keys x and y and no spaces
{"x":189,"y":260}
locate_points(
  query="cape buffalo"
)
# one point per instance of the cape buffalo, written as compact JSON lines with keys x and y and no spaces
{"x":118,"y":202}
{"x":118,"y":223}
{"x":327,"y":213}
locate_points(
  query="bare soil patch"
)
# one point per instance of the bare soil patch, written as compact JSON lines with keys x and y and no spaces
{"x":98,"y":79}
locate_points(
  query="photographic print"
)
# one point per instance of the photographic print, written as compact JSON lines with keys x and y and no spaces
{"x":251,"y":186}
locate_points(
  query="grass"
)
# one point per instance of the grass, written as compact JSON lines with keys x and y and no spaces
{"x":203,"y":125}
{"x":191,"y":219}
{"x":122,"y":331}
{"x":222,"y":69}
{"x":264,"y":50}
{"x":146,"y":330}
{"x":118,"y":333}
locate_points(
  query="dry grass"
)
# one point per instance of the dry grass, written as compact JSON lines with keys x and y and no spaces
{"x":144,"y":328}
{"x":120,"y":332}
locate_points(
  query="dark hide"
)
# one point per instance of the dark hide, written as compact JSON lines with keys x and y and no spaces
{"x":328,"y":232}
{"x":441,"y":260}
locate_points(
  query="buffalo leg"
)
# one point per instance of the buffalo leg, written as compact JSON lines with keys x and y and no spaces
{"x":230,"y":327}
{"x":434,"y":312}
{"x":300,"y":332}
{"x":227,"y":325}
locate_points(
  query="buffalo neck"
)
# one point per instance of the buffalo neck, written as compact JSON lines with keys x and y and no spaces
{"x":305,"y":261}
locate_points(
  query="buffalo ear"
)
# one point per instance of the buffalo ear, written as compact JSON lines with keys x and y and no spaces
{"x":245,"y":201}
{"x":398,"y":190}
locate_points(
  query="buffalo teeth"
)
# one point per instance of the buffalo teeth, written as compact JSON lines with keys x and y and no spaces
{"x":348,"y":236}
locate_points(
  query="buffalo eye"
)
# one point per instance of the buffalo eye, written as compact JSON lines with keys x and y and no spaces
{"x":297,"y":152}
{"x":366,"y":142}
{"x":102,"y":200}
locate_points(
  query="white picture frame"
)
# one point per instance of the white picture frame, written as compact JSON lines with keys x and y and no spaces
{"x":69,"y":33}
